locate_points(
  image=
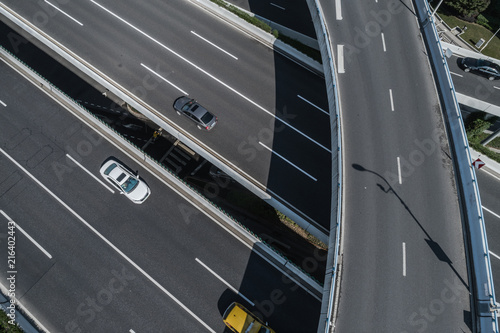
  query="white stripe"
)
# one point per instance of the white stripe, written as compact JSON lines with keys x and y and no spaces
{"x":272,"y":151}
{"x":317,"y":107}
{"x":491,"y":212}
{"x":338,"y":10}
{"x":399,"y":171}
{"x":208,"y":74}
{"x":456,"y":74}
{"x":26,"y":234}
{"x":383,"y":41}
{"x":225,"y":282}
{"x":143,"y":272}
{"x":131,"y":331}
{"x":340,"y":57}
{"x":1,"y":102}
{"x":161,"y":77}
{"x":275,"y":5}
{"x":64,"y":13}
{"x":90,"y":173}
{"x":392,"y":100}
{"x":496,"y":87}
{"x":404,"y":259}
{"x":209,"y":42}
{"x":495,"y":255}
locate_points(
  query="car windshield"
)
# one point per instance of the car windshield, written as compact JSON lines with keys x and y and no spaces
{"x":129,"y":184}
{"x":108,"y":169}
{"x":206,"y":118}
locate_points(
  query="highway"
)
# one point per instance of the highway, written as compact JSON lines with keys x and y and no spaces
{"x":89,"y":260}
{"x":273,"y":128}
{"x":404,"y":266}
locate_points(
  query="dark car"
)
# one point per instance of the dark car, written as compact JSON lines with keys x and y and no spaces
{"x":194,"y":111}
{"x":482,"y":67}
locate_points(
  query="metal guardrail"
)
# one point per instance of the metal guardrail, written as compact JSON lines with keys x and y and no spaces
{"x":329,"y":289}
{"x":482,"y":280}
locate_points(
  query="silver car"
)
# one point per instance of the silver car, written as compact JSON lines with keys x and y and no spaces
{"x":125,"y":182}
{"x":194,"y":111}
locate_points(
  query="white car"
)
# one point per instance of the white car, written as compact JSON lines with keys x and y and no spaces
{"x":127,"y":183}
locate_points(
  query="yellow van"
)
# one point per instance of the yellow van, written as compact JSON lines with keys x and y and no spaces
{"x":240,"y":320}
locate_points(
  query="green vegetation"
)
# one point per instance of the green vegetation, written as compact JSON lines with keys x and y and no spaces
{"x":5,"y":327}
{"x":309,"y":51}
{"x":468,"y":9}
{"x":475,"y":127}
{"x":486,"y":25}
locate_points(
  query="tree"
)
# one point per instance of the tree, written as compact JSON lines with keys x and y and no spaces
{"x":468,"y":9}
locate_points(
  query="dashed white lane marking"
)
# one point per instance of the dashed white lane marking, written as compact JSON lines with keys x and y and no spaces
{"x":117,"y":250}
{"x":340,"y":58}
{"x":383,"y":41}
{"x":18,"y":227}
{"x":275,"y":5}
{"x":317,"y":107}
{"x":392,"y":100}
{"x":67,"y":15}
{"x":164,"y":79}
{"x":338,"y":10}
{"x":496,"y":87}
{"x":225,"y":282}
{"x":208,"y":74}
{"x":217,"y":47}
{"x":90,"y":173}
{"x":399,"y":171}
{"x":404,"y":259}
{"x":1,"y":102}
{"x":296,"y":167}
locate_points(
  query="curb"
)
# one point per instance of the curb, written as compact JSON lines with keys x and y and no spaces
{"x":265,"y":38}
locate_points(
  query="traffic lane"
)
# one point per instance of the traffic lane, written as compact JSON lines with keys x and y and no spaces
{"x":86,"y":283}
{"x":294,"y":16}
{"x":473,"y":85}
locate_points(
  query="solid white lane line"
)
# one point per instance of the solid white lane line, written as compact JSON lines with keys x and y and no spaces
{"x":392,"y":100}
{"x":340,"y":58}
{"x":1,"y":102}
{"x":491,"y":212}
{"x":383,"y":41}
{"x":208,"y":74}
{"x":18,"y":227}
{"x":161,"y":77}
{"x":275,"y":5}
{"x":404,"y":259}
{"x":143,"y":272}
{"x":209,"y":42}
{"x":225,"y":282}
{"x":296,"y":167}
{"x":338,"y":10}
{"x":496,"y":87}
{"x":90,"y":173}
{"x":317,"y":107}
{"x":489,"y":173}
{"x":495,"y":255}
{"x":69,"y":16}
{"x":399,"y":171}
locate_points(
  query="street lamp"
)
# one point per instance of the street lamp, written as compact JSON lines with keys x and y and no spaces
{"x":488,"y":39}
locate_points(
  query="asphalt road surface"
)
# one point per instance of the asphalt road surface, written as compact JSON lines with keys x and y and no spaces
{"x":87,"y":259}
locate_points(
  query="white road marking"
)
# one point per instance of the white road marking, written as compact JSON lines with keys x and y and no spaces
{"x":209,"y":42}
{"x":404,"y":259}
{"x":340,"y":57}
{"x":317,"y":107}
{"x":399,"y":171}
{"x":496,"y":87}
{"x":275,"y":5}
{"x":383,"y":41}
{"x":456,"y":74}
{"x":18,"y":227}
{"x":131,"y":331}
{"x":69,"y":16}
{"x":338,"y":10}
{"x":143,"y":272}
{"x":491,"y":212}
{"x":392,"y":100}
{"x":161,"y":77}
{"x":1,"y":102}
{"x":492,"y":175}
{"x":296,"y":167}
{"x":208,"y":74}
{"x":90,"y":173}
{"x":225,"y":282}
{"x":495,"y":255}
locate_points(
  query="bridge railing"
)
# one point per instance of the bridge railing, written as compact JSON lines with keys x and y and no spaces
{"x":329,"y":287}
{"x":481,"y":280}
